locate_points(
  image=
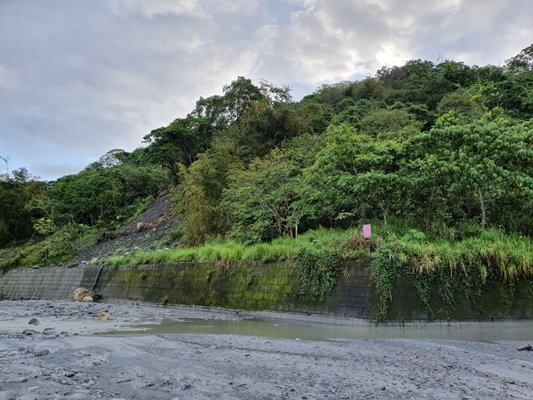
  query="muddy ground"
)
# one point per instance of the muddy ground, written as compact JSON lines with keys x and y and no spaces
{"x":65,"y":356}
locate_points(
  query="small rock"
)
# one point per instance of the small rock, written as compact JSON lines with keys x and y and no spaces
{"x":104,"y":317}
{"x":29,"y":349}
{"x":19,"y":380}
{"x":34,"y":321}
{"x":77,"y":396}
{"x":88,"y":299}
{"x":40,"y":353}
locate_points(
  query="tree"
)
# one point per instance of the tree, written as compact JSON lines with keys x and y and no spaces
{"x":481,"y":170}
{"x":354,"y":175}
{"x":522,"y":62}
{"x":17,"y":190}
{"x":200,"y":192}
{"x":180,"y":142}
{"x":265,"y":126}
{"x":100,"y":195}
{"x":268,"y":198}
{"x":393,"y":123}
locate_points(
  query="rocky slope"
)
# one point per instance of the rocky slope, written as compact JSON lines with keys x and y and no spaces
{"x":142,"y":233}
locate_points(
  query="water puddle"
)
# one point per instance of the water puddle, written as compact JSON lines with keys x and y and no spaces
{"x":296,"y":329}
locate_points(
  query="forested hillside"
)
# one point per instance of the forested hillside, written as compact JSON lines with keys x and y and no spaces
{"x":432,"y":154}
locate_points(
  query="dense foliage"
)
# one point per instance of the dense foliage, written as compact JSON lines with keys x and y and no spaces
{"x":445,"y":149}
{"x":17,"y":189}
{"x":105,"y":194}
{"x":438,"y":146}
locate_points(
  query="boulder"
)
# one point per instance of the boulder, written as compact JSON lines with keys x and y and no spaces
{"x":80,"y":293}
{"x":83,"y":294}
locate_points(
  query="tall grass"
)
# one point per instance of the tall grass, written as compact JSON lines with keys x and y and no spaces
{"x":320,"y":240}
{"x":511,"y":255}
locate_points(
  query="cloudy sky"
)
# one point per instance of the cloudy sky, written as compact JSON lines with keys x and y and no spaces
{"x":81,"y":77}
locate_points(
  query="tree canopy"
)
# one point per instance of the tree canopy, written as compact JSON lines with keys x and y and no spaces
{"x":435,"y":145}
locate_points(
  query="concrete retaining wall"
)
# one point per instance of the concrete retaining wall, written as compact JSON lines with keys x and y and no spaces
{"x":256,"y":286}
{"x":43,"y":283}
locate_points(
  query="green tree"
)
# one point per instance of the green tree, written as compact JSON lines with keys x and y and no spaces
{"x":200,"y":192}
{"x":481,"y":170}
{"x":354,"y":175}
{"x":269,"y":197}
{"x":17,"y":190}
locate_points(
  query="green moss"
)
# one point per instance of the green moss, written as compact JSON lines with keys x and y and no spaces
{"x":452,"y":277}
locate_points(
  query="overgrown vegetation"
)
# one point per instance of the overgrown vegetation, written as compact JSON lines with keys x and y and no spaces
{"x":439,"y":157}
{"x":281,"y":249}
{"x":58,"y":248}
{"x":450,"y":269}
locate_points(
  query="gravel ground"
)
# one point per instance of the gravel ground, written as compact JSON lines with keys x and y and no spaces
{"x":64,"y":356}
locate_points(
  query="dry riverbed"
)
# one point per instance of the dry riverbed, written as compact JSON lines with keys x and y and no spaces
{"x":65,"y":355}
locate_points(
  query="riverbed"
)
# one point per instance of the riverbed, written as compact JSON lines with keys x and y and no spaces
{"x":140,"y":351}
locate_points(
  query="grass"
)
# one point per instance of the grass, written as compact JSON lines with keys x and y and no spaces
{"x":511,"y":255}
{"x":508,"y":254}
{"x":320,"y":240}
{"x":58,"y":248}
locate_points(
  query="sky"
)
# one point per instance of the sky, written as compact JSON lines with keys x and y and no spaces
{"x":79,"y":78}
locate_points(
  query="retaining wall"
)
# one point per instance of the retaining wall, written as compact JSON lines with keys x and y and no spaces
{"x":256,"y":286}
{"x":43,"y":283}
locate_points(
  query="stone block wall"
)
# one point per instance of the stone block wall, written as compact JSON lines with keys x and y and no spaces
{"x":258,"y":286}
{"x":43,"y":283}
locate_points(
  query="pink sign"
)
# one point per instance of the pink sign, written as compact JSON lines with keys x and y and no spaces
{"x":367,"y":231}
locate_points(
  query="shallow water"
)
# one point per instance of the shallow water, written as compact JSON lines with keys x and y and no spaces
{"x":296,"y":329}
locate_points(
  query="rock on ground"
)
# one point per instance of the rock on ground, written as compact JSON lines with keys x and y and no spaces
{"x":66,"y":358}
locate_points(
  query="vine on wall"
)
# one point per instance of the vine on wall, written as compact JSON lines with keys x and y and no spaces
{"x":317,"y":274}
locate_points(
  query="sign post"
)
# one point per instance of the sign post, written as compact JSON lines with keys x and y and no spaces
{"x":367,"y":231}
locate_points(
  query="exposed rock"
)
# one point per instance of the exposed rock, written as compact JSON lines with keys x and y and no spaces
{"x":141,"y":226}
{"x":40,"y":353}
{"x":34,"y":321}
{"x":104,"y":316}
{"x":81,"y":294}
{"x":139,"y":234}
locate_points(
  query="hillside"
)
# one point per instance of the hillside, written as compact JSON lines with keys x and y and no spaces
{"x":437,"y":157}
{"x":142,"y":233}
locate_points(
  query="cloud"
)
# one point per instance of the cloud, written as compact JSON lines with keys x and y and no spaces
{"x":79,"y":78}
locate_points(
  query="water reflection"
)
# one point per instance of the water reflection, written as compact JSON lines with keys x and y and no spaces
{"x":294,"y":329}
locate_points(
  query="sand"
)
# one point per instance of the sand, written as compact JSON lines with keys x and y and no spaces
{"x":66,"y":355}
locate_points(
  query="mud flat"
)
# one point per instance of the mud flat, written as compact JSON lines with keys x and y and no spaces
{"x":70,"y":354}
